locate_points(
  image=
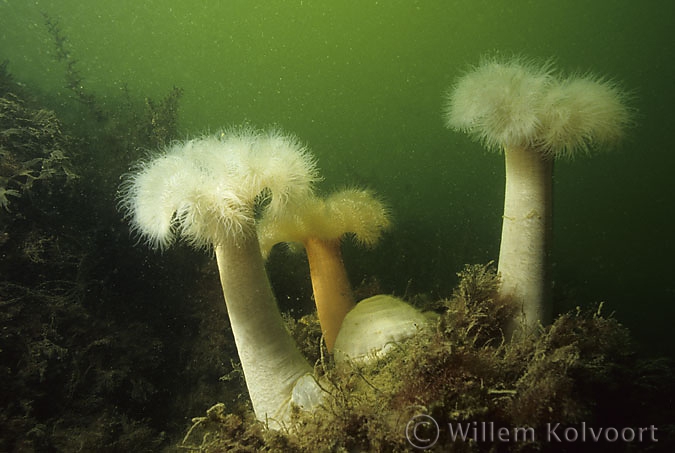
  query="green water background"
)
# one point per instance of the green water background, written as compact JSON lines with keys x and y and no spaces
{"x":362,"y":83}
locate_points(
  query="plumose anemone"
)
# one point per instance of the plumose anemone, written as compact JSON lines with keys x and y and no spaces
{"x":209,"y":191}
{"x":520,"y":107}
{"x":320,"y":224}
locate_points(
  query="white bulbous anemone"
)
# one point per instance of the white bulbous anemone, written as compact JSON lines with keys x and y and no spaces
{"x":209,"y":191}
{"x":374,"y":326}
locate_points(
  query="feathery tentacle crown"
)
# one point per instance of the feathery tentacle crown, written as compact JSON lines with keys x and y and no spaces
{"x":520,"y":103}
{"x":208,"y":189}
{"x":349,"y":211}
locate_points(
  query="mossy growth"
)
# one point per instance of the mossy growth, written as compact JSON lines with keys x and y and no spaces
{"x":80,"y":371}
{"x":32,"y":148}
{"x":462,"y":370}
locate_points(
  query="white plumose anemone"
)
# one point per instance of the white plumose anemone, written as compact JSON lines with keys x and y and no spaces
{"x":207,"y":191}
{"x":521,"y":108}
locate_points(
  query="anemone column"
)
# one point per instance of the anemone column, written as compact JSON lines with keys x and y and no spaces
{"x":524,"y":264}
{"x":271,"y":361}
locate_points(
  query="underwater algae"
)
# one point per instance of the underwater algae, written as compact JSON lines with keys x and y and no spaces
{"x":31,"y":145}
{"x":581,"y":368}
{"x":462,"y":370}
{"x":78,"y":369}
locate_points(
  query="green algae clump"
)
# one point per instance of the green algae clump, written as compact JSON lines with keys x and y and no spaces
{"x":465,"y":371}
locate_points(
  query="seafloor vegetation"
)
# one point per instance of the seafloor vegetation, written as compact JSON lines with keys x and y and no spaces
{"x":90,"y":356}
{"x":462,"y":370}
{"x":99,"y":350}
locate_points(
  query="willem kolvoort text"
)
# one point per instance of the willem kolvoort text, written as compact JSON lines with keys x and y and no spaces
{"x":553,"y":432}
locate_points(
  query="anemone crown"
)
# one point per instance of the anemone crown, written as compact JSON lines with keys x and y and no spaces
{"x":521,"y":103}
{"x":349,"y":211}
{"x":209,"y":189}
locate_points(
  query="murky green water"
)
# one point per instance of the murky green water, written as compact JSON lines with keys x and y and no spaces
{"x":362,"y":83}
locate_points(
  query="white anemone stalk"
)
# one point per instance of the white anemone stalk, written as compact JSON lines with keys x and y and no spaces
{"x":521,"y":108}
{"x":209,"y":192}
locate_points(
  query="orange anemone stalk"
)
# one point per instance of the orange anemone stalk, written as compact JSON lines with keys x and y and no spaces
{"x":320,"y":225}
